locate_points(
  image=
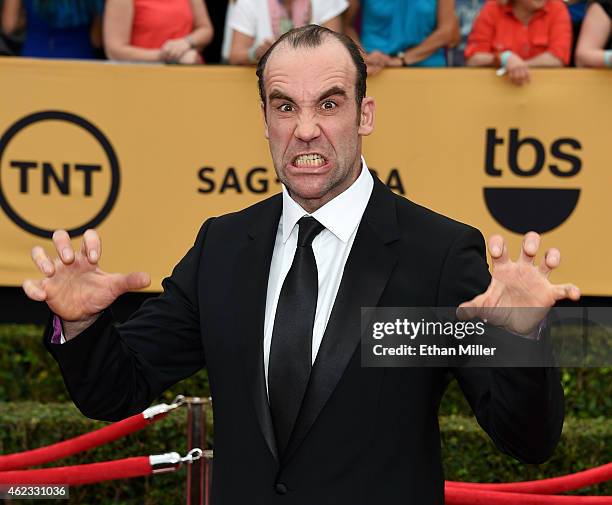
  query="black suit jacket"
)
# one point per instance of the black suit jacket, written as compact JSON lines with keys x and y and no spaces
{"x":364,"y":435}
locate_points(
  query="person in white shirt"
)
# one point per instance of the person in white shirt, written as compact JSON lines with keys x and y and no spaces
{"x":254,"y":25}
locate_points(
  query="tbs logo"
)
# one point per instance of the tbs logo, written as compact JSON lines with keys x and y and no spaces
{"x":540,"y":209}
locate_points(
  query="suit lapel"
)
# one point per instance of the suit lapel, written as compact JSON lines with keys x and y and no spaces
{"x":254,"y":267}
{"x":366,"y":273}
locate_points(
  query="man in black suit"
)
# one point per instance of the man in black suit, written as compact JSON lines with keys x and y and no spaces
{"x":269,"y":298}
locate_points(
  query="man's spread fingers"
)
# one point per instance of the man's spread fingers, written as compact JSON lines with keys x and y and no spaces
{"x":138,"y":280}
{"x":467,"y":310}
{"x":463,"y":313}
{"x":34,"y":290}
{"x":574,"y":293}
{"x":61,"y":239}
{"x":498,"y":250}
{"x":551,"y":260}
{"x":529,"y":248}
{"x":43,"y":262}
{"x":563,"y":291}
{"x":91,"y":246}
{"x":130,"y":282}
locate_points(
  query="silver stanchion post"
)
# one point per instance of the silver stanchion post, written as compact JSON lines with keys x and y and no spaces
{"x":197,"y":474}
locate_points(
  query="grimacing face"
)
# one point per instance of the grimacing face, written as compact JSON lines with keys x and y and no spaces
{"x":311,"y":120}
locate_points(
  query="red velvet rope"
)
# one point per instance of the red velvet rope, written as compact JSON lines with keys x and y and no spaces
{"x":455,"y":495}
{"x":554,"y":485}
{"x":74,"y":445}
{"x":82,"y":474}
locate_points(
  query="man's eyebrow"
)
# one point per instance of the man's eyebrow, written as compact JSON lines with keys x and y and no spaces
{"x":334,"y":90}
{"x":279,"y":95}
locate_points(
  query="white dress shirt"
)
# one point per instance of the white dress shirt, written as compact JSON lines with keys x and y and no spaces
{"x":341,"y":217}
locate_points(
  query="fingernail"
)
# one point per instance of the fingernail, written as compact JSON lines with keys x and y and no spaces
{"x":93,"y":255}
{"x":66,"y":254}
{"x":495,"y":250}
{"x":47,"y":269}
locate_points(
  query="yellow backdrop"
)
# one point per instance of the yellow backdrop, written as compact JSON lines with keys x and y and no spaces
{"x":146,"y":153}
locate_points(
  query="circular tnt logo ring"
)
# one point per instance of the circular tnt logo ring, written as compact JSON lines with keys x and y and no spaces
{"x":52,"y":115}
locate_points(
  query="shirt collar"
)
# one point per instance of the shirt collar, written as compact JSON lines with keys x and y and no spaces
{"x":341,"y":215}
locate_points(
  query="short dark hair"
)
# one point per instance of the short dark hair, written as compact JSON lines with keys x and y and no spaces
{"x":311,"y":36}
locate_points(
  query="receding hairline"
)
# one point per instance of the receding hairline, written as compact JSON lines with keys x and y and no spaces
{"x":287,"y":46}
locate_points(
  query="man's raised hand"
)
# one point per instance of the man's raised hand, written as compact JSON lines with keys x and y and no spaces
{"x":519,"y":284}
{"x":74,"y":287}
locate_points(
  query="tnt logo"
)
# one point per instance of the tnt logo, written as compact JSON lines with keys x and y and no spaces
{"x":57,"y":170}
{"x":521,"y":209}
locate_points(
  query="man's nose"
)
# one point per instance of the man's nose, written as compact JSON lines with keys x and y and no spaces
{"x":307,"y":129}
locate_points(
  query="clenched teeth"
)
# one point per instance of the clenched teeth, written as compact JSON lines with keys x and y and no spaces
{"x":309,"y":160}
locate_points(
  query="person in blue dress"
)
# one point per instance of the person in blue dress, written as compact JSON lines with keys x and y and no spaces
{"x":406,"y":32}
{"x":56,"y":28}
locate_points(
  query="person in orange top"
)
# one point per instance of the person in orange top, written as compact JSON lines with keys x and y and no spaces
{"x":170,"y":31}
{"x":520,"y":34}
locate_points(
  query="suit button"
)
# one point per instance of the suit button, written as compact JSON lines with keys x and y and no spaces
{"x":281,"y":488}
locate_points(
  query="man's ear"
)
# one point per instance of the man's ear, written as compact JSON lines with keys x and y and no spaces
{"x":366,"y":117}
{"x":263,"y":115}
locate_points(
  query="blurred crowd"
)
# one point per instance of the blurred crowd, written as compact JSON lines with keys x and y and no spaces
{"x":512,"y":35}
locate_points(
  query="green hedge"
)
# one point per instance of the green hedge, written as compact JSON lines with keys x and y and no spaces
{"x":28,"y":372}
{"x":588,"y":394}
{"x":468,"y":453}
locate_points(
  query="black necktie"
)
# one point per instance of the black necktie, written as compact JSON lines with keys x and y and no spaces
{"x":291,"y":347}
